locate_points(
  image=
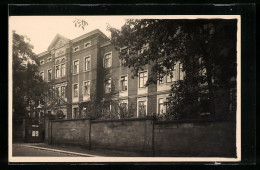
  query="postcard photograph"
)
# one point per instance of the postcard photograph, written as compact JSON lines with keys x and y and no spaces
{"x":135,"y":88}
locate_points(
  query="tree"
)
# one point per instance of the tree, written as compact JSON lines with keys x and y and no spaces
{"x":206,"y":49}
{"x":28,"y":86}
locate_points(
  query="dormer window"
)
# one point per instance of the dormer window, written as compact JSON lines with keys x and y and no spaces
{"x":41,"y":62}
{"x":87,"y":44}
{"x":76,"y":49}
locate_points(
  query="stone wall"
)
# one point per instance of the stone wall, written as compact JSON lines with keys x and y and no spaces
{"x":195,"y":139}
{"x":205,"y":138}
{"x":74,"y":132}
{"x":131,"y":135}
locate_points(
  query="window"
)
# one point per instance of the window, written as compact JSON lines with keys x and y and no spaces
{"x":63,"y":88}
{"x":87,"y":63}
{"x":76,"y":66}
{"x":108,"y":86}
{"x":35,"y":133}
{"x":160,"y":79}
{"x":86,"y":88}
{"x":75,"y":113}
{"x":57,"y":71}
{"x":170,"y":78}
{"x":87,"y":44}
{"x":108,"y":60}
{"x":123,"y":107}
{"x":42,"y":75}
{"x":41,"y":62}
{"x":75,"y":90}
{"x":180,"y":72}
{"x":49,"y":72}
{"x":123,"y":83}
{"x":63,"y":70}
{"x":57,"y":91}
{"x":142,"y":79}
{"x":160,"y":106}
{"x":141,"y":108}
{"x":49,"y":59}
{"x":76,"y":49}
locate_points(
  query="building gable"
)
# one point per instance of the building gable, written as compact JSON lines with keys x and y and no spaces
{"x":58,"y":41}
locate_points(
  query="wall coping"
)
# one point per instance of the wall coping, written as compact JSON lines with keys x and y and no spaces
{"x":194,"y":121}
{"x":123,"y":120}
{"x":65,"y":120}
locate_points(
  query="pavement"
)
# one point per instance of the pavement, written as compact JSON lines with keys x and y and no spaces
{"x":43,"y":149}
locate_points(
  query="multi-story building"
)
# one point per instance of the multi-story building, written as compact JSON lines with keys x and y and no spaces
{"x":88,"y":68}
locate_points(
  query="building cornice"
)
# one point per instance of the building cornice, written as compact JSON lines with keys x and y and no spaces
{"x":96,"y":31}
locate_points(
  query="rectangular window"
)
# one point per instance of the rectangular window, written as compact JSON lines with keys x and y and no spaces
{"x":87,"y":63}
{"x":75,"y":90}
{"x":108,"y":86}
{"x":108,"y":60}
{"x":63,"y":70}
{"x":171,"y":77}
{"x":87,"y":44}
{"x":86,"y":88}
{"x":180,"y":72}
{"x":123,"y":107}
{"x":42,"y":75}
{"x":141,"y":108}
{"x":58,"y":92}
{"x":123,"y":83}
{"x":160,"y":105}
{"x":76,"y":66}
{"x":75,"y":113}
{"x":49,"y":74}
{"x":76,"y":49}
{"x":63,"y":88}
{"x":57,"y":71}
{"x":142,"y":79}
{"x":160,"y":79}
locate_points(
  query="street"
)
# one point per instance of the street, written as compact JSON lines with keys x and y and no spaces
{"x":19,"y":150}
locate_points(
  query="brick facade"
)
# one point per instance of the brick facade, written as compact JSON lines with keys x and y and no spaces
{"x":96,"y":46}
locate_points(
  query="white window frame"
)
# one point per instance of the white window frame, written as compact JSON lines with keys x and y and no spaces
{"x":83,"y":87}
{"x":75,"y":48}
{"x":57,"y":75}
{"x":74,"y":67}
{"x":73,"y":90}
{"x":110,"y":59}
{"x":48,"y":75}
{"x":64,"y":92}
{"x":143,"y":77}
{"x":140,"y":100}
{"x":126,"y":75}
{"x":110,"y":85}
{"x":164,"y":97}
{"x":64,"y":69}
{"x":85,"y":69}
{"x":89,"y":42}
{"x":42,"y":75}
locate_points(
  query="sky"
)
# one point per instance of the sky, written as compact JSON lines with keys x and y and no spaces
{"x":42,"y":29}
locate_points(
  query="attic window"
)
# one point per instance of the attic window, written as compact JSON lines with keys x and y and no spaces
{"x":87,"y":44}
{"x":76,"y":49}
{"x":41,"y":62}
